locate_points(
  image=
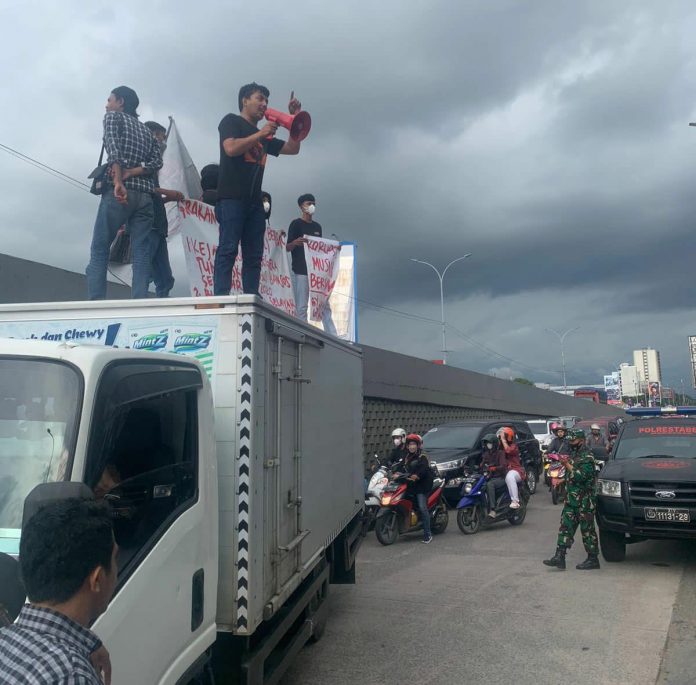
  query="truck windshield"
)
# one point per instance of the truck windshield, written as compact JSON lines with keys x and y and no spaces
{"x":674,"y":440}
{"x":453,"y":437}
{"x":39,"y":403}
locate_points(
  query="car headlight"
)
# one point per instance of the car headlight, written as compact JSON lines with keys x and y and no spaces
{"x":468,"y":487}
{"x":609,"y":488}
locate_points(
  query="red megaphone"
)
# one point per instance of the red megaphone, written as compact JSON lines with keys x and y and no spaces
{"x":298,"y":124}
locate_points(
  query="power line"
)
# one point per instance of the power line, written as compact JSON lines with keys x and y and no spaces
{"x":44,"y":167}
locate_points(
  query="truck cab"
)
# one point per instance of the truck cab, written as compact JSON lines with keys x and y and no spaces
{"x":647,"y":488}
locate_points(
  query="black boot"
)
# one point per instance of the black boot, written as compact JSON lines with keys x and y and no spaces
{"x":558,"y":559}
{"x":591,"y":563}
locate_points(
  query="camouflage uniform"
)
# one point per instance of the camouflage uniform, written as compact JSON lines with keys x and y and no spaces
{"x":580,"y":503}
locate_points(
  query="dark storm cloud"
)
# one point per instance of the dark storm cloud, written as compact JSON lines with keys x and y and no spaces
{"x":549,"y":139}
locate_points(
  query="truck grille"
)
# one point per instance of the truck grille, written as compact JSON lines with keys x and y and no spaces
{"x":642,"y":494}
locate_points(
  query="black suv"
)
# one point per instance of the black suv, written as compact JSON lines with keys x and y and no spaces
{"x":452,"y":446}
{"x":647,"y":488}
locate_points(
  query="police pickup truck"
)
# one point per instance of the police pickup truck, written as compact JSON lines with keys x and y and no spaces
{"x":647,"y":489}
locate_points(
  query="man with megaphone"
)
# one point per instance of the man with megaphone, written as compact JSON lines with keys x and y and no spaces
{"x":243,"y":153}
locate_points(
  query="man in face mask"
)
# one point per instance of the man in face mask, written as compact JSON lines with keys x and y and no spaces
{"x":398,"y":452}
{"x":297,"y":231}
{"x":266,"y":202}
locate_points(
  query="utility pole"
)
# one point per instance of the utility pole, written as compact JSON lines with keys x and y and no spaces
{"x":441,"y":277}
{"x":561,"y":338}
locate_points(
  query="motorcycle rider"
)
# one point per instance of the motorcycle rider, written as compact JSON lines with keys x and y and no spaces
{"x":559,"y":443}
{"x":515,"y":471}
{"x":580,"y":504}
{"x":596,"y":439}
{"x":494,"y":460}
{"x":421,"y":477}
{"x":398,"y":452}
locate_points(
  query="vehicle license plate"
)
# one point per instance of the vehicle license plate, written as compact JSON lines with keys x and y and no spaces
{"x":667,"y":514}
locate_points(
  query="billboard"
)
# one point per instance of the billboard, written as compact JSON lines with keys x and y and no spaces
{"x":654,"y":394}
{"x":612,"y":385}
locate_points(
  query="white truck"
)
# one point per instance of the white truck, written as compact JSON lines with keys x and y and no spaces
{"x":227,"y":437}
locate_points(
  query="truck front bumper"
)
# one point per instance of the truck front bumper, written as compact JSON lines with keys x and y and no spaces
{"x":614,"y":515}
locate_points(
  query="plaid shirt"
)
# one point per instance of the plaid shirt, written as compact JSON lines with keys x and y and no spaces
{"x":44,"y":647}
{"x":131,"y":144}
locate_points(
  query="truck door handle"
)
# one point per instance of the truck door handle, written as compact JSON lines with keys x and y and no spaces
{"x":197,"y":598}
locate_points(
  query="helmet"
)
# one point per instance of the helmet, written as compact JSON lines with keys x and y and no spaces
{"x":507,"y":432}
{"x":490,"y":437}
{"x":414,"y":437}
{"x":555,"y":427}
{"x":595,"y":427}
{"x":576,"y":434}
{"x":398,"y":433}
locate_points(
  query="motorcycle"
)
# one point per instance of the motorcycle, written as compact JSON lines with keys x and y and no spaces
{"x":375,"y":488}
{"x":472,"y":510}
{"x":399,"y":515}
{"x":557,"y":483}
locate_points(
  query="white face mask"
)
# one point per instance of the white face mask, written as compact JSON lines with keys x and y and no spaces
{"x":310,"y":209}
{"x":397,"y":442}
{"x":266,"y":207}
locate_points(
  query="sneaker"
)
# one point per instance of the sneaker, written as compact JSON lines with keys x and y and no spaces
{"x":428,"y":540}
{"x":514,"y":505}
{"x":492,"y":514}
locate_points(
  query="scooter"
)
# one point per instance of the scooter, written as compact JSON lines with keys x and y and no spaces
{"x":557,"y":474}
{"x":399,"y":515}
{"x":472,"y":510}
{"x":373,"y":496}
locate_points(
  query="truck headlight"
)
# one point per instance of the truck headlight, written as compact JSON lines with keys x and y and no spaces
{"x":609,"y":488}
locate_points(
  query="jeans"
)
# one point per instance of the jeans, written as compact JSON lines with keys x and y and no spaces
{"x":492,"y":486}
{"x":161,"y":268}
{"x":511,"y":480}
{"x":300,"y":286}
{"x":422,"y":500}
{"x":245,"y":222}
{"x":111,"y":215}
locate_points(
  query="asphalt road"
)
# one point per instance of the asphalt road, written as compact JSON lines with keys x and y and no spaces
{"x":483,"y":609}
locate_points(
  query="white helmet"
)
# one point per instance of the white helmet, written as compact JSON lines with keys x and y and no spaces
{"x":399,"y":433}
{"x":595,"y":427}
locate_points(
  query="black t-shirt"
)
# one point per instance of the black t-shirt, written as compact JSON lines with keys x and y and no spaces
{"x":297,"y":229}
{"x":241,"y":177}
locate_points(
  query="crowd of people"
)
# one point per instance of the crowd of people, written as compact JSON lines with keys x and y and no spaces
{"x":131,"y":197}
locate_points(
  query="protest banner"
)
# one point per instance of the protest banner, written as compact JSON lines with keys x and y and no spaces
{"x":199,"y":236}
{"x":322,"y":257}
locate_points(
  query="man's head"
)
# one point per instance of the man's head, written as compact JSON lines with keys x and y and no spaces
{"x":209,"y":176}
{"x":307,"y":204}
{"x":594,"y":428}
{"x":158,"y":131}
{"x":576,"y":438}
{"x":123,"y":99}
{"x":413,"y":443}
{"x":267,"y":203}
{"x":398,"y":437}
{"x":490,"y":441}
{"x":253,"y":101}
{"x":68,"y":554}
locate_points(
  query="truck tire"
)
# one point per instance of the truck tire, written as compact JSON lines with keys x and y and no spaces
{"x":613,"y":545}
{"x":387,"y":529}
{"x":469,"y":520}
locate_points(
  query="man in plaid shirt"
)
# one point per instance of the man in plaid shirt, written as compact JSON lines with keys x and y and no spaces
{"x":127,"y":199}
{"x":68,"y":561}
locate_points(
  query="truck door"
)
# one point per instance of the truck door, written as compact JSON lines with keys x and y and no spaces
{"x":147,"y":456}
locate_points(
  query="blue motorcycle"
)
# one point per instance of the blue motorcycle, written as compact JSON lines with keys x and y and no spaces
{"x":472,"y":510}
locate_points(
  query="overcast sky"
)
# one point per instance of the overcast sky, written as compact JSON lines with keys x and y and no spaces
{"x":547,"y":138}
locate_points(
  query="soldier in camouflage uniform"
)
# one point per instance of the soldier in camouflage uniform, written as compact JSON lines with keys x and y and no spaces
{"x":580,"y":504}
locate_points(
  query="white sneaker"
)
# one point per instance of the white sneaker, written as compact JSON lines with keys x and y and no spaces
{"x":492,"y":514}
{"x":514,"y":505}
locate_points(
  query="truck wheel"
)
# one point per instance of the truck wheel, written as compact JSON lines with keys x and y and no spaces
{"x":387,"y":529}
{"x":469,"y":520}
{"x":613,"y":545}
{"x":440,"y":518}
{"x":531,"y":480}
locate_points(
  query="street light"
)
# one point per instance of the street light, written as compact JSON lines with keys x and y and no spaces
{"x":561,"y":338}
{"x":441,"y":276}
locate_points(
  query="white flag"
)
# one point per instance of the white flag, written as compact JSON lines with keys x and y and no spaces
{"x":178,"y":172}
{"x":321,"y":256}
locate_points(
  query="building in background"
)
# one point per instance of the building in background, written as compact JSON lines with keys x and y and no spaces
{"x":630,"y":380}
{"x":647,"y":363}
